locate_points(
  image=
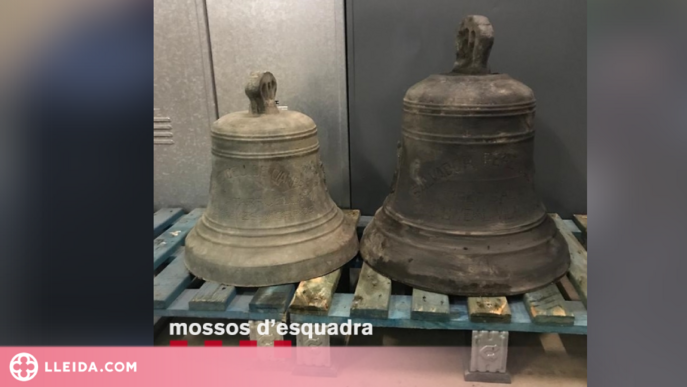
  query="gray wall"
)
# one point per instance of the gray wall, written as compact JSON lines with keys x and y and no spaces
{"x":392,"y":44}
{"x":204,"y":52}
{"x":184,"y":105}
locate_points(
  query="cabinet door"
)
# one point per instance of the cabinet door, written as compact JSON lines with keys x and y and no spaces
{"x":184,"y":104}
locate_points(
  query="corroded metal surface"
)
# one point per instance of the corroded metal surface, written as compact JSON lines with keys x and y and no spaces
{"x":489,"y":309}
{"x":270,"y":219}
{"x":308,"y":37}
{"x":463,"y":217}
{"x":315,"y":296}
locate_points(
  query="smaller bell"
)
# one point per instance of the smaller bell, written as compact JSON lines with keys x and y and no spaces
{"x":270,"y":219}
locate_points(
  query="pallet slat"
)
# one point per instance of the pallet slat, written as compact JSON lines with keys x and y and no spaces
{"x":489,"y":309}
{"x":163,"y":218}
{"x":578,"y":260}
{"x":547,"y":306}
{"x":372,"y":295}
{"x":171,"y":282}
{"x":320,"y":303}
{"x":212,"y":296}
{"x":429,"y":306}
{"x":272,"y":298}
{"x":400,"y":308}
{"x":581,"y":222}
{"x":315,"y":296}
{"x":238,"y":308}
{"x":170,"y":240}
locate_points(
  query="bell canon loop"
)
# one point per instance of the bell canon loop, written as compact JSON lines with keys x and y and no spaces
{"x":463,"y":217}
{"x":270,"y":219}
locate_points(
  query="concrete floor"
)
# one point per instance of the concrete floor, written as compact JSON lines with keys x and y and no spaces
{"x":536,"y":360}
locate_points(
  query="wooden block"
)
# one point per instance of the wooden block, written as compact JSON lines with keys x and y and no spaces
{"x":488,"y":377}
{"x":372,"y":295}
{"x":489,"y":309}
{"x":272,"y":298}
{"x":212,"y":296}
{"x":170,"y":282}
{"x":547,"y":306}
{"x":581,"y":222}
{"x":170,"y":240}
{"x":578,"y":259}
{"x":429,"y":306}
{"x":164,"y":218}
{"x":567,"y":289}
{"x":354,"y":214}
{"x":315,"y":296}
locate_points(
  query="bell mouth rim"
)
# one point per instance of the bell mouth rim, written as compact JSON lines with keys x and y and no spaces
{"x":508,"y":231}
{"x":445,"y":290}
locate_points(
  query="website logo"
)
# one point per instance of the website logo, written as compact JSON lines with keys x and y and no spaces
{"x":23,"y":367}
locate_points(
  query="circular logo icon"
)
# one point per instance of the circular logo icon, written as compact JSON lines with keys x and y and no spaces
{"x":23,"y":367}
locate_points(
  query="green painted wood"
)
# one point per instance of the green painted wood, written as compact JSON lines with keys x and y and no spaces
{"x":372,"y":294}
{"x":163,"y":218}
{"x":170,"y":240}
{"x":212,"y":296}
{"x":400,"y":308}
{"x":573,"y":228}
{"x":578,"y":259}
{"x":171,"y":282}
{"x":547,"y":306}
{"x":429,"y":306}
{"x":238,"y":309}
{"x":315,"y":295}
{"x":272,"y":298}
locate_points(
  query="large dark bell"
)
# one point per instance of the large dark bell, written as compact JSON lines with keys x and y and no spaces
{"x":270,"y":219}
{"x":463,"y":217}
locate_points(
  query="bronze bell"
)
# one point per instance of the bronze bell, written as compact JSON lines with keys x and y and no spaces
{"x":270,"y":219}
{"x":463,"y":217}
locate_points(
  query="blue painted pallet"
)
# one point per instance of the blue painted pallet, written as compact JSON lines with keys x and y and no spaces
{"x":172,"y":296}
{"x":400,"y":308}
{"x":173,"y":238}
{"x":164,"y":218}
{"x":398,"y":312}
{"x":238,"y":308}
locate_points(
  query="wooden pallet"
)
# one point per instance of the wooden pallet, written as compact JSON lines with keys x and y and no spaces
{"x":177,"y":293}
{"x":581,"y":222}
{"x":546,"y":310}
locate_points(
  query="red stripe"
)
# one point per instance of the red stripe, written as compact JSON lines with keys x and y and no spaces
{"x":213,"y":343}
{"x":178,"y":343}
{"x":282,"y":349}
{"x":248,"y":343}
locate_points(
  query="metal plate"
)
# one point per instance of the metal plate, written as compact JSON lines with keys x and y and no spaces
{"x":184,"y":100}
